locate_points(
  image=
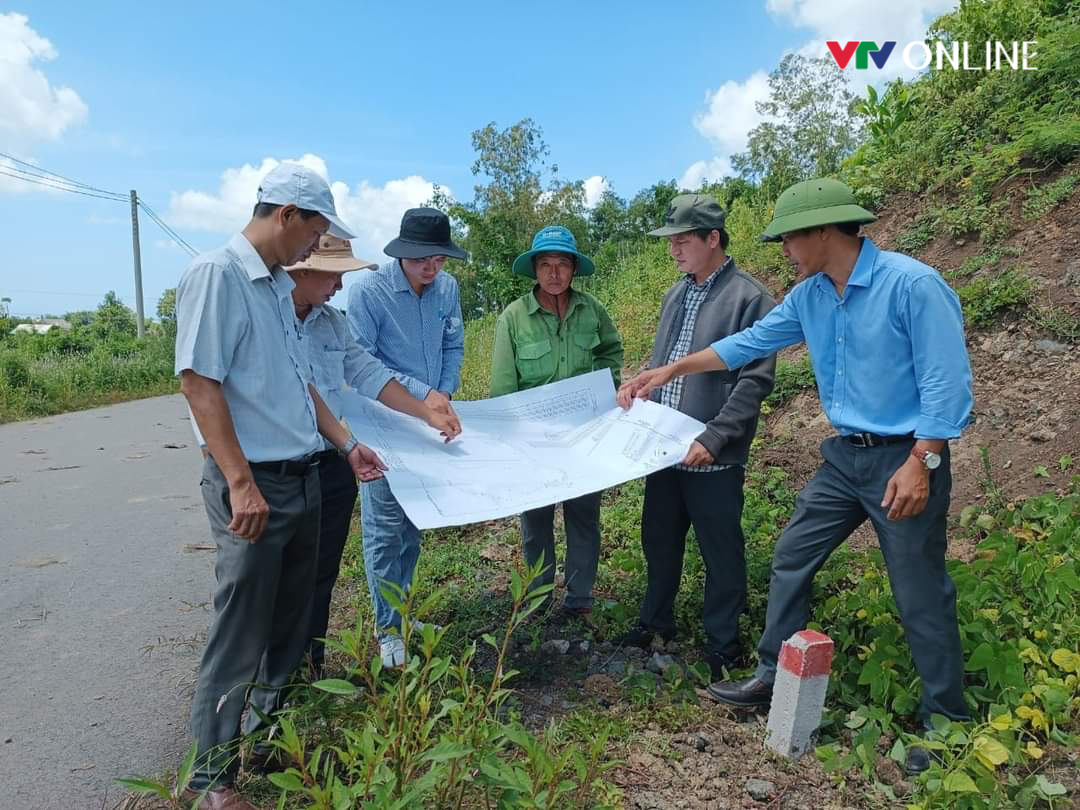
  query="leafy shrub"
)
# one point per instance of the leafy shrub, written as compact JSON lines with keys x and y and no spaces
{"x":986,"y":299}
{"x":1041,"y":200}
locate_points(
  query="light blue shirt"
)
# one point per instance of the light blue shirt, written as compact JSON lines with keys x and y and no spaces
{"x":235,"y":323}
{"x":421,"y":338}
{"x":889,"y":355}
{"x":337,"y":361}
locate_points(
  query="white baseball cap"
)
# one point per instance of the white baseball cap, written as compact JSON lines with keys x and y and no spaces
{"x":293,"y":183}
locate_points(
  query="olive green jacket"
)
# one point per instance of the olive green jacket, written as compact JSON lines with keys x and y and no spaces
{"x":533,"y":347}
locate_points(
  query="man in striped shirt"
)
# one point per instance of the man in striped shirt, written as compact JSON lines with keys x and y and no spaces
{"x":713,"y":300}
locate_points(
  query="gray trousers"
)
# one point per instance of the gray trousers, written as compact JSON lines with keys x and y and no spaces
{"x":846,"y":490}
{"x":262,"y":607}
{"x":582,"y":518}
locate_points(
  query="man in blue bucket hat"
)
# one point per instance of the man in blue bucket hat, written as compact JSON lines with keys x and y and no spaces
{"x":552,"y":333}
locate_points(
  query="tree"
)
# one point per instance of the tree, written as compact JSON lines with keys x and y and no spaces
{"x":113,"y":318}
{"x":522,"y":194}
{"x":810,"y":126}
{"x":166,"y":311}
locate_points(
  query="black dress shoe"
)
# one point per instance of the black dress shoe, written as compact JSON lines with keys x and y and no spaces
{"x":720,"y":665}
{"x":748,"y":693}
{"x":916,"y":761}
{"x":641,"y":636}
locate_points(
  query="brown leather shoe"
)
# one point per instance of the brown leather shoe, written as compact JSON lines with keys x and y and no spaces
{"x":225,"y":798}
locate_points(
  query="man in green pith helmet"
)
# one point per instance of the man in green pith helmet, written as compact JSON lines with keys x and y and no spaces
{"x":886,"y":339}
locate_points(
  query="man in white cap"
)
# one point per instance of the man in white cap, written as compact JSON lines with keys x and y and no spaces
{"x":249,"y":388}
{"x":338,"y":362}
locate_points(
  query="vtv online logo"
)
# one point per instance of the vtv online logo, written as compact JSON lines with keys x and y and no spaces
{"x":957,"y":55}
{"x":861,"y":50}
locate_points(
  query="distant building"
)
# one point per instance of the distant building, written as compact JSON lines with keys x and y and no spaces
{"x":42,"y":326}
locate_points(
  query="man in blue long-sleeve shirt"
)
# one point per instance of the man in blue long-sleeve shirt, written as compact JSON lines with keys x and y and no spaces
{"x":408,"y":315}
{"x":886,"y":338}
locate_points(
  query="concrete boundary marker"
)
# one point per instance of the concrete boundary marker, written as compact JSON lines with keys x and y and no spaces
{"x":802,"y":678}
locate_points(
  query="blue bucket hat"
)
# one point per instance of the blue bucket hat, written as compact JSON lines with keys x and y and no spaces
{"x":552,"y":239}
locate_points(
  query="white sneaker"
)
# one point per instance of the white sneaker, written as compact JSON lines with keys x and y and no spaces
{"x":392,"y":652}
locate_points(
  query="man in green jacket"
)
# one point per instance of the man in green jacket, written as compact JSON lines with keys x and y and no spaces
{"x":552,"y":333}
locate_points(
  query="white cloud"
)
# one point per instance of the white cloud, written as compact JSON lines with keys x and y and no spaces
{"x":31,"y":109}
{"x":848,"y":20}
{"x":705,"y":171}
{"x":373,"y":212}
{"x":595,"y":187}
{"x":730,"y":113}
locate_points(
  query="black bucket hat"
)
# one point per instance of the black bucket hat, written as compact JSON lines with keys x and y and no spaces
{"x":424,"y":232}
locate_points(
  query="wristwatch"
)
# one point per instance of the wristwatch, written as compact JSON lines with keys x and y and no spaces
{"x":347,"y":448}
{"x":930,"y":459}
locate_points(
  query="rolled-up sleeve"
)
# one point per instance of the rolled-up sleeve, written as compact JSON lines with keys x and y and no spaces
{"x":781,"y":327}
{"x":363,"y":371}
{"x":210,"y":320}
{"x":942,"y":370}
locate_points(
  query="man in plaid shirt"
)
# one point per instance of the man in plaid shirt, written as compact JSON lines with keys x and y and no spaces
{"x":713,"y":300}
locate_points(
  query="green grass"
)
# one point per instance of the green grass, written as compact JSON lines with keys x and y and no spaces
{"x":37,"y":383}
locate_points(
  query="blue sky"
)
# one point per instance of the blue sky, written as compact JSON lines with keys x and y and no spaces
{"x":190,"y":103}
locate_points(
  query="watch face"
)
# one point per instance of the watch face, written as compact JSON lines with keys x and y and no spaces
{"x":932,"y":460}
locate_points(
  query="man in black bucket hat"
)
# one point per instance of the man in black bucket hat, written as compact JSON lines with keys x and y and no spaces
{"x":408,"y":315}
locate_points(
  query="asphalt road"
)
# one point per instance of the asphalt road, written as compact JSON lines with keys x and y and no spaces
{"x":103,"y":600}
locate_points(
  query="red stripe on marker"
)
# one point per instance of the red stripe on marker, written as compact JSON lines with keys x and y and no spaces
{"x":808,"y":655}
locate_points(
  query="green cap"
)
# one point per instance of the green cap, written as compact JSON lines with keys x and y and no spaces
{"x":813,"y":203}
{"x":691,"y":212}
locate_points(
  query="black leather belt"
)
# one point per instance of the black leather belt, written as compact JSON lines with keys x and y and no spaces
{"x":327,"y":455}
{"x":300,"y":467}
{"x":874,"y":440}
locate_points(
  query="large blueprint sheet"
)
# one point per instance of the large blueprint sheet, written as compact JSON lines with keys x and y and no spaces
{"x":520,"y":451}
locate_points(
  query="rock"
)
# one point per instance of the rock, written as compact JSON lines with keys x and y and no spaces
{"x":616,"y":668}
{"x":547,"y":700}
{"x":1042,"y":434}
{"x":582,"y":647}
{"x":701,"y":743}
{"x":1051,"y":347}
{"x":556,"y":646}
{"x":660,"y":663}
{"x":760,"y":790}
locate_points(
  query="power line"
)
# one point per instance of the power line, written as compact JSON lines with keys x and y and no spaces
{"x":42,"y":172}
{"x":55,"y":186}
{"x":179,"y":240}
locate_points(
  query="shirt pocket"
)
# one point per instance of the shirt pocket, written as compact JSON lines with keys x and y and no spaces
{"x":584,"y":345}
{"x":330,"y":370}
{"x":534,"y":362}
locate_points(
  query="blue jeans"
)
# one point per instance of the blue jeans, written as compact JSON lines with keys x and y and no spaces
{"x":391,"y":549}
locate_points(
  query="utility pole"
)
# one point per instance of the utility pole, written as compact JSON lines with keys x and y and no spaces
{"x":139,"y":319}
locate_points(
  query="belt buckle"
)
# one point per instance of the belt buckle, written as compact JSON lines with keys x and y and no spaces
{"x":861,"y":440}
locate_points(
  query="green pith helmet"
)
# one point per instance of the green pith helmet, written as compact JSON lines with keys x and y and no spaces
{"x":813,"y":203}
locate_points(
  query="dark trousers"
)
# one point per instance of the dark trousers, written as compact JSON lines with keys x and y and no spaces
{"x":339,"y":489}
{"x":262,"y":607}
{"x":582,"y":518}
{"x":845,"y":491}
{"x":712,"y":502}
